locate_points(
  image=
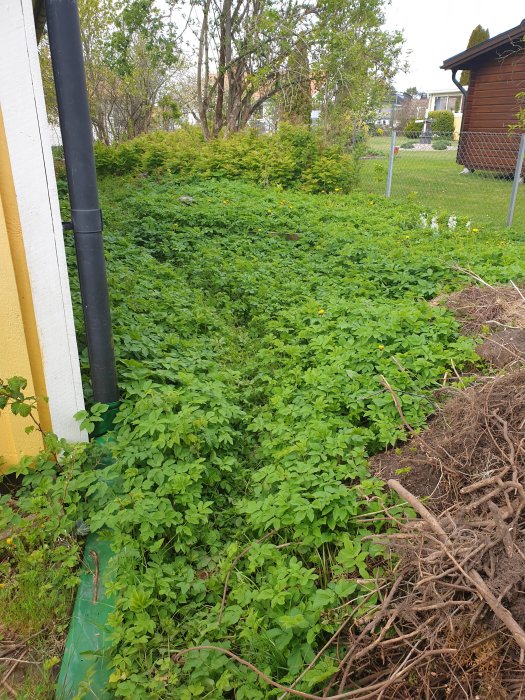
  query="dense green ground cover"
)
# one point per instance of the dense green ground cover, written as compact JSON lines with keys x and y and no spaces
{"x":250,"y":366}
{"x":252,"y":327}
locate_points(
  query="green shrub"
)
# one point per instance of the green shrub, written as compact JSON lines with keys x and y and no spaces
{"x":295,"y":157}
{"x":440,"y":145}
{"x":442,"y":123}
{"x":413,"y":129}
{"x":407,"y":144}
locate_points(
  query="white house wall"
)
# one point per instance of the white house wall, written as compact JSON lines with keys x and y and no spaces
{"x":28,"y":138}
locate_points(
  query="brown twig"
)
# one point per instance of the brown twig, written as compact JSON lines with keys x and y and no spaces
{"x":503,"y":529}
{"x":420,"y":509}
{"x":369,"y":692}
{"x":497,"y":608}
{"x":12,"y":692}
{"x":13,"y":666}
{"x":94,"y":556}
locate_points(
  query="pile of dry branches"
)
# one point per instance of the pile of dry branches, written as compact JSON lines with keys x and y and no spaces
{"x":451,"y":625}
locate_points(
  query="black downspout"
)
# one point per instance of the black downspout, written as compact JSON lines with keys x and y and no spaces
{"x":77,"y":137}
{"x":461,"y":87}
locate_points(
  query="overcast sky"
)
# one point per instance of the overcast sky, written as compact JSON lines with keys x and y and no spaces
{"x":435,"y":31}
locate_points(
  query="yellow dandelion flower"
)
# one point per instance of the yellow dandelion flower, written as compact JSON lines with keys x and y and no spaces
{"x":321,"y":312}
{"x":381,"y":347}
{"x":9,"y":540}
{"x":475,"y":230}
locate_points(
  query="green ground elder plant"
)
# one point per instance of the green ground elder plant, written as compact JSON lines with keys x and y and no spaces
{"x":252,"y":328}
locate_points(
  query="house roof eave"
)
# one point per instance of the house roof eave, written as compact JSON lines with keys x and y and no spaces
{"x":465,"y":59}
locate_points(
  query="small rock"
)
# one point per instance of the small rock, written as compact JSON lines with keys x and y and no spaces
{"x":186,"y":199}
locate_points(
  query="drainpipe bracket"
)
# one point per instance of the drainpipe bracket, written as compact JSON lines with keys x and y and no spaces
{"x":86,"y":220}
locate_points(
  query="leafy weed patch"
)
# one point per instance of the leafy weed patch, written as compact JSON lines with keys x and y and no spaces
{"x":252,"y":328}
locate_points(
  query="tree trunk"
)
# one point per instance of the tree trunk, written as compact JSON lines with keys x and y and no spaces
{"x":224,"y":60}
{"x":203,"y":65}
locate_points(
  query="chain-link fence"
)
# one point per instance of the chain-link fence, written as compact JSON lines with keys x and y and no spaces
{"x":478,"y":177}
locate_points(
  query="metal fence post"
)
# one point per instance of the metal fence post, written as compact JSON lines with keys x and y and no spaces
{"x":391,"y":164}
{"x":517,"y":178}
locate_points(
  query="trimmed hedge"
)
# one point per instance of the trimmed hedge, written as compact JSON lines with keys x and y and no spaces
{"x":413,"y":129}
{"x":442,"y":123}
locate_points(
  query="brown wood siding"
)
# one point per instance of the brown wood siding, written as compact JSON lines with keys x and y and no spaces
{"x":485,"y":142}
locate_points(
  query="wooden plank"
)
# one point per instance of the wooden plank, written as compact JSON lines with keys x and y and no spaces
{"x":494,"y":106}
{"x":491,"y":117}
{"x":504,"y":65}
{"x":489,"y":125}
{"x":495,"y":111}
{"x":505,"y":90}
{"x":517,"y":78}
{"x":488,"y":98}
{"x":504,"y":69}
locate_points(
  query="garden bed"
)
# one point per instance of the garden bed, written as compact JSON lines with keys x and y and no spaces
{"x":242,"y":510}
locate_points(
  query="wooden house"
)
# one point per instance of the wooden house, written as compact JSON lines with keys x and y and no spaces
{"x":497,"y":75}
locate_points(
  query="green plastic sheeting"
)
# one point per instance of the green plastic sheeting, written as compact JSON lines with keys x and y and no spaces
{"x":85,"y":667}
{"x":85,"y":670}
{"x":106,"y":424}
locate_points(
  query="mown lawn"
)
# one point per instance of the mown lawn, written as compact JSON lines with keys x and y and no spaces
{"x":432,"y":179}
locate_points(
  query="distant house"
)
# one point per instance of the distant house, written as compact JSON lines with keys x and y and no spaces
{"x":497,"y":74}
{"x":452,"y":100}
{"x":400,"y":107}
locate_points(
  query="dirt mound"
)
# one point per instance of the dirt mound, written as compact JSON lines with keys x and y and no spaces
{"x":503,"y":348}
{"x":456,"y":610}
{"x":410,"y":466}
{"x":497,"y":313}
{"x":486,"y":307}
{"x":469,"y":438}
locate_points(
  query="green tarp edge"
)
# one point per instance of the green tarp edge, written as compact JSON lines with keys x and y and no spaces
{"x":85,"y":667}
{"x":86,"y":663}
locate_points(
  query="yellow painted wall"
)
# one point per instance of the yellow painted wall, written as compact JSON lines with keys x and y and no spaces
{"x":457,"y":126}
{"x":19,"y":345}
